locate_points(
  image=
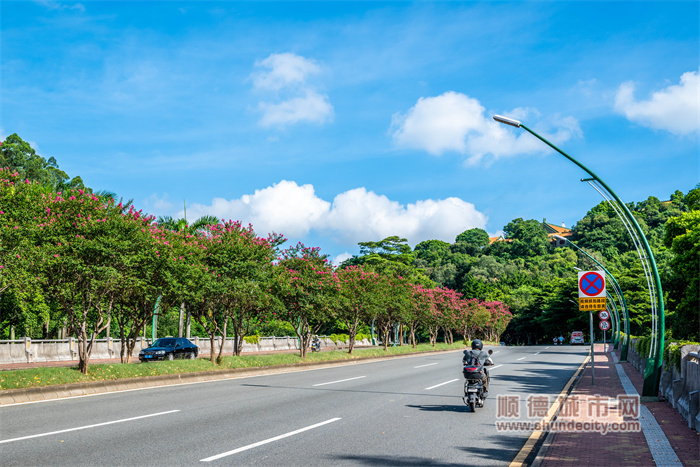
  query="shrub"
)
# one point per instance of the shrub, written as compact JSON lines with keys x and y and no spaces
{"x":253,"y":339}
{"x":672,"y":353}
{"x":339,"y":338}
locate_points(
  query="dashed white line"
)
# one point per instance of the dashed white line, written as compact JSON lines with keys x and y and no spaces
{"x":339,"y":381}
{"x":546,"y":348}
{"x":270,"y":440}
{"x":493,"y":367}
{"x":421,"y":366}
{"x":87,"y":426}
{"x":522,"y":358}
{"x":441,"y":384}
{"x":537,"y":353}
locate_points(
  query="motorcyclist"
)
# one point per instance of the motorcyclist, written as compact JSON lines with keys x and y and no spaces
{"x":316,"y":343}
{"x":477,"y":354}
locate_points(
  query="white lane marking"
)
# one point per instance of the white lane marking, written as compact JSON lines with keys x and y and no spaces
{"x":270,"y":440}
{"x":537,"y":353}
{"x":441,"y":384}
{"x":497,"y":351}
{"x":87,"y":426}
{"x":546,"y":348}
{"x":421,"y":366}
{"x":493,"y":367}
{"x":521,"y":358}
{"x":339,"y":381}
{"x":162,"y":386}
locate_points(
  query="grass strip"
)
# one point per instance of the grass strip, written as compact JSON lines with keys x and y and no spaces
{"x":49,"y":376}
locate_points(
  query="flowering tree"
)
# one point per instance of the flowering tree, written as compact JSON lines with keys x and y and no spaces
{"x":395,"y":303}
{"x":241,"y":264}
{"x":422,"y":305}
{"x":357,"y":298}
{"x":499,"y":317}
{"x":306,"y":286}
{"x":447,"y":306}
{"x":22,"y":302}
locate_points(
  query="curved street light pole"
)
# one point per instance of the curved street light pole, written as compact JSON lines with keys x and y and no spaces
{"x":620,"y":298}
{"x":652,"y":373}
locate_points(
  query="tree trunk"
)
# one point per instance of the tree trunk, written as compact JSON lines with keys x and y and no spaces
{"x":223,"y":342}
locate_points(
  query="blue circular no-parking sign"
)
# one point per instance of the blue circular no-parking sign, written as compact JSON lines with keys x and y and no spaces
{"x":591,"y":284}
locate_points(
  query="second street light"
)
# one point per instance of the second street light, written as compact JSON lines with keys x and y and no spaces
{"x":652,"y":373}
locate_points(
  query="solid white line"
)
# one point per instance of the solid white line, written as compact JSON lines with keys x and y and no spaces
{"x":339,"y":381}
{"x":260,"y":443}
{"x":521,"y":358}
{"x":441,"y":384}
{"x":421,"y":366}
{"x":86,"y":427}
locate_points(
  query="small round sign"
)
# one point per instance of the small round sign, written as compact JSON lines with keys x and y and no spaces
{"x":604,"y":325}
{"x":604,"y":314}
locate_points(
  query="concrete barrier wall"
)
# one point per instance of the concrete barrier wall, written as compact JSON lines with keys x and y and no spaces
{"x":28,"y":350}
{"x":680,"y":388}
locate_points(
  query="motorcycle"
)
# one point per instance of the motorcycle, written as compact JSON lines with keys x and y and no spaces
{"x":474,"y":395}
{"x":316,"y":345}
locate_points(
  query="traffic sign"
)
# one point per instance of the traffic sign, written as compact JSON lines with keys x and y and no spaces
{"x":591,"y":284}
{"x":604,"y":325}
{"x":604,"y":314}
{"x":591,"y":304}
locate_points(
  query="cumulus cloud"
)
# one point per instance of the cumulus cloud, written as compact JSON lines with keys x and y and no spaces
{"x":455,"y":122}
{"x":353,"y":216}
{"x":675,"y":108}
{"x":341,"y":257}
{"x":312,"y":107}
{"x":284,"y":207}
{"x":283,"y":70}
{"x":285,"y":78}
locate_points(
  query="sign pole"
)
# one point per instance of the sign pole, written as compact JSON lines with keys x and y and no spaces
{"x":590,"y":314}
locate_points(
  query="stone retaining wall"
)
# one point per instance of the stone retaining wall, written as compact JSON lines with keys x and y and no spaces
{"x":681,"y":389}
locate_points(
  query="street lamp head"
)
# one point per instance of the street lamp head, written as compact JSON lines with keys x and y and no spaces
{"x":507,"y":121}
{"x":559,"y":237}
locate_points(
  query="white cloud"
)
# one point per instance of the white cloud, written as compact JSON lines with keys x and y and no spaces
{"x":353,"y":216}
{"x":340,"y":258}
{"x":456,"y":122}
{"x":284,"y":207}
{"x":285,"y":70}
{"x":54,"y":5}
{"x":312,"y":107}
{"x":675,"y":108}
{"x":296,"y":101}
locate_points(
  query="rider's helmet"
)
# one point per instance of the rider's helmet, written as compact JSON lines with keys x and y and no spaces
{"x":477,"y":344}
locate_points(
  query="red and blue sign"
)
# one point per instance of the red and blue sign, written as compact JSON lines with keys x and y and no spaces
{"x":591,"y":284}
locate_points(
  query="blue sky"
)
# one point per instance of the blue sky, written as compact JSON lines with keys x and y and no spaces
{"x":335,"y":123}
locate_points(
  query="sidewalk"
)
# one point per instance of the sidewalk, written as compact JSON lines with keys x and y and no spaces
{"x":665,"y":438}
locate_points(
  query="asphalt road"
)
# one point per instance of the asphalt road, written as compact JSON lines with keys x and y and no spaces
{"x":405,"y":411}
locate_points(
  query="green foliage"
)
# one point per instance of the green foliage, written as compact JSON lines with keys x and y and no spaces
{"x":672,"y":353}
{"x":339,"y":338}
{"x":254,"y":339}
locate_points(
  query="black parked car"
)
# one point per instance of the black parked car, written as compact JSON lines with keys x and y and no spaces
{"x":169,"y":348}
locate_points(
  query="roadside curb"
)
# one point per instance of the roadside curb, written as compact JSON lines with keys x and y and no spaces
{"x":538,"y":439}
{"x":46,"y":393}
{"x":547,"y":442}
